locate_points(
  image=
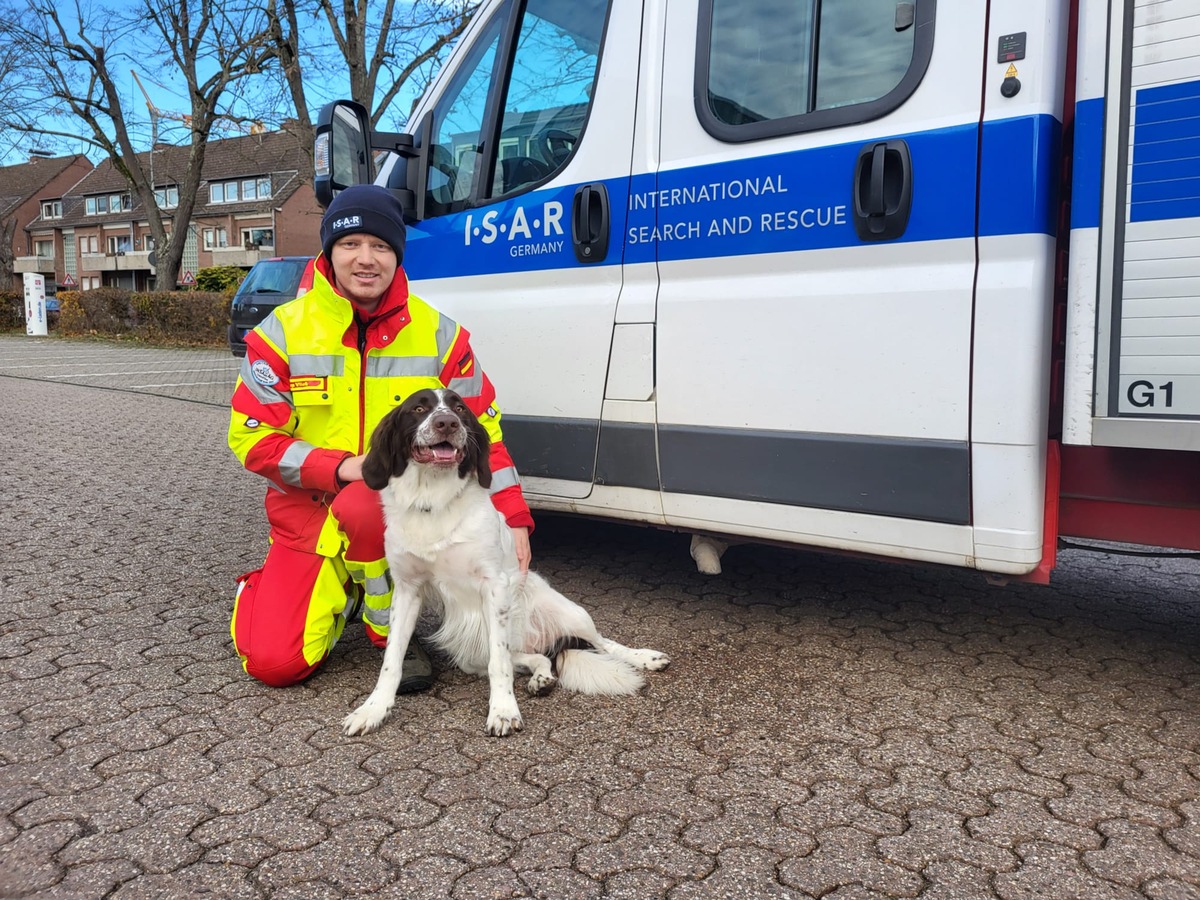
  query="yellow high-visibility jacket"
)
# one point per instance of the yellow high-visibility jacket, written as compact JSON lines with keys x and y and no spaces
{"x":318,"y":377}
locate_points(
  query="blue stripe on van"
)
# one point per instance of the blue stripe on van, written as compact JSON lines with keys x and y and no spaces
{"x":801,"y":200}
{"x":1087,"y":163}
{"x":1018,"y":188}
{"x":1166,"y":153}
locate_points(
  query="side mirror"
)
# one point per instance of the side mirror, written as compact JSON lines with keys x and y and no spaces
{"x":344,"y":153}
{"x":341,"y":150}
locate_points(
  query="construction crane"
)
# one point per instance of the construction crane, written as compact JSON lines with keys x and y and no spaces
{"x":156,"y":113}
{"x":222,"y":121}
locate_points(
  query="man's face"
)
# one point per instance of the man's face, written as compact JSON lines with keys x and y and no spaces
{"x":363,"y":267}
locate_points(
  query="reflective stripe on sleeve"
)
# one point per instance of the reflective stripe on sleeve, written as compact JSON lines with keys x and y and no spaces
{"x":504,"y":478}
{"x":291,"y":462}
{"x":468,"y":387}
{"x":272,"y":330}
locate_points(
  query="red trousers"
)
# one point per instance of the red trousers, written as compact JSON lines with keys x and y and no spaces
{"x":288,"y":614}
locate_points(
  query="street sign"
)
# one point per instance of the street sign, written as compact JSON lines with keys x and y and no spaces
{"x":68,"y":280}
{"x":188,"y":278}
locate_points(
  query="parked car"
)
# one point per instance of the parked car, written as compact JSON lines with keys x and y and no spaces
{"x":269,"y":284}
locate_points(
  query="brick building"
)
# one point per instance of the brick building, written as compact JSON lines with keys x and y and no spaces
{"x":255,"y":201}
{"x":28,"y":191}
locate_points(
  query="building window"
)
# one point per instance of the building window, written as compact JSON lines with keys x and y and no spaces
{"x":119,"y":243}
{"x":258,"y":237}
{"x":98,"y":206}
{"x":215,"y":238}
{"x":89,"y":282}
{"x":44,"y":248}
{"x":88,"y":244}
{"x":223,"y":192}
{"x":52,"y":209}
{"x":166,"y":197}
{"x":246,"y":189}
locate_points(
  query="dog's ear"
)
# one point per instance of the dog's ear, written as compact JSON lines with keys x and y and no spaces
{"x":387,"y":456}
{"x":478,"y":454}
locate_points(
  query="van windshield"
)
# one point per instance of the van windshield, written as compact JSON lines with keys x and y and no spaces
{"x":275,"y":276}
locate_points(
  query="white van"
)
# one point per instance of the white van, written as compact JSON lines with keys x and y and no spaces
{"x":911,"y":279}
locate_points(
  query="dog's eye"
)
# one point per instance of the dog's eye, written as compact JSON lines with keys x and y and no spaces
{"x":418,"y":408}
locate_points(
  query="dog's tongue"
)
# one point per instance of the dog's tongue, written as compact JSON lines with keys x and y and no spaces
{"x":443,"y":451}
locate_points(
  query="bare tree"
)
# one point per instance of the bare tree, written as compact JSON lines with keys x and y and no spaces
{"x":76,"y":53}
{"x":8,"y":229}
{"x":10,"y":74}
{"x":391,"y":52}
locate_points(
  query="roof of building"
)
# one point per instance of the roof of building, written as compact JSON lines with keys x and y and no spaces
{"x":20,"y":182}
{"x":277,"y":154}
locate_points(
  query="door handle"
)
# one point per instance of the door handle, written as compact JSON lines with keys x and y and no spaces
{"x":589,"y":223}
{"x":883,"y":183}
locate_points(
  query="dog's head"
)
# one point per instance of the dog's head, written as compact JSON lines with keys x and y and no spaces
{"x":434,"y":428}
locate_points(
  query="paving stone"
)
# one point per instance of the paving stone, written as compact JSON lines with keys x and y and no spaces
{"x":846,"y":858}
{"x":935,"y":835}
{"x":1048,"y":870}
{"x":1018,"y":818}
{"x":1134,"y":853}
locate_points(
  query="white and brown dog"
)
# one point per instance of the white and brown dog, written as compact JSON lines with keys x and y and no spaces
{"x":445,"y":540}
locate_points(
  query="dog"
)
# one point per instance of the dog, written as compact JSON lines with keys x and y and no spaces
{"x":445,"y":540}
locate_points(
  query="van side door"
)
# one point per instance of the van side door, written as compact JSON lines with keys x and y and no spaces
{"x":814,"y":221}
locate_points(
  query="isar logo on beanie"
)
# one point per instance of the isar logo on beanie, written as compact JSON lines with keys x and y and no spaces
{"x":367,"y":209}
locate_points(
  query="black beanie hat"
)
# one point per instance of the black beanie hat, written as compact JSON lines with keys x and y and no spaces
{"x":364,"y":209}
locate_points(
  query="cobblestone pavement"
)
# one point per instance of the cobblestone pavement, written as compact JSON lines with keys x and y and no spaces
{"x":829,"y":727}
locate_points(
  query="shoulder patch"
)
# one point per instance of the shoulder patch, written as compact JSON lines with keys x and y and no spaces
{"x":263,"y":373}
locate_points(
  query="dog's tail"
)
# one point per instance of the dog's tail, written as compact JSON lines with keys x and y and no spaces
{"x":594,"y":672}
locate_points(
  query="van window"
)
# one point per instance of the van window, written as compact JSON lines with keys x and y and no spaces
{"x":458,"y":124}
{"x":771,"y":67}
{"x":502,"y":129}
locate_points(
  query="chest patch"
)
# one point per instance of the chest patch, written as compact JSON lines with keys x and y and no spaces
{"x":309,"y":383}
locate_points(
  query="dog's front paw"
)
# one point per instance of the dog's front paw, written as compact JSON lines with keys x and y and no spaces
{"x":540,"y":684}
{"x":366,"y":718}
{"x":651,"y":660}
{"x":503,"y":719}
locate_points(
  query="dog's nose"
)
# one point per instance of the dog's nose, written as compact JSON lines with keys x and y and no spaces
{"x":445,"y":423}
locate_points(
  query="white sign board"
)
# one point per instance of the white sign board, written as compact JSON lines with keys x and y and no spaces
{"x":35,"y":304}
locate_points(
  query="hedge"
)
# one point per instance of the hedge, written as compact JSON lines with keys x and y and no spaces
{"x":192,"y":318}
{"x":12,"y":311}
